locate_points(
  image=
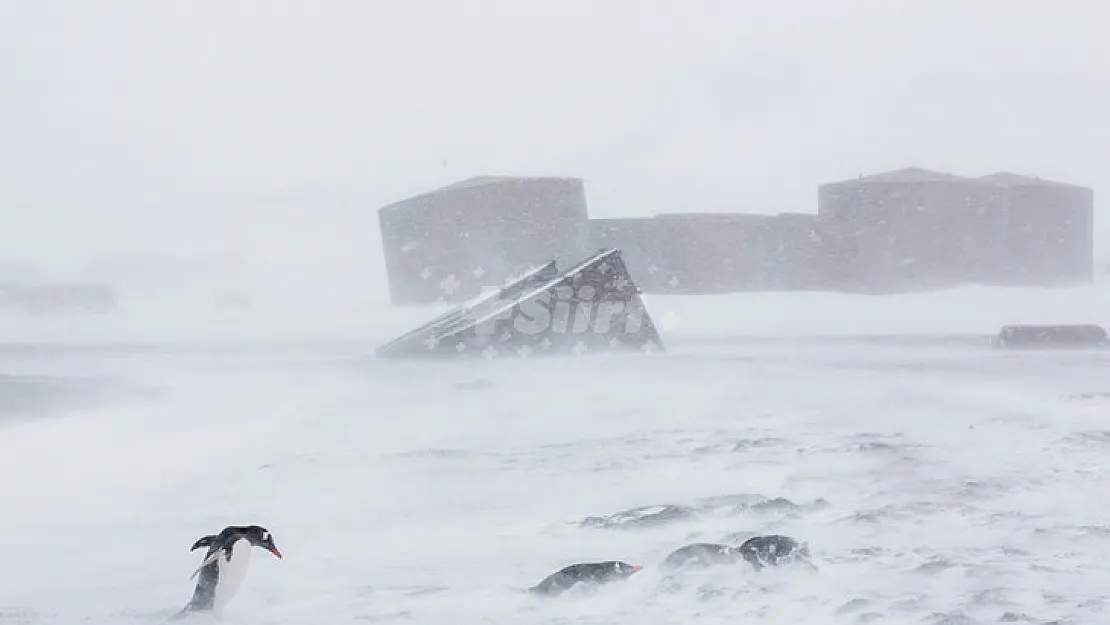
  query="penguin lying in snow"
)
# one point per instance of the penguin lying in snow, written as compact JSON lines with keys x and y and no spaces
{"x":225,"y":565}
{"x":588,"y":572}
{"x":773,"y":550}
{"x":759,"y":551}
{"x":700,"y":555}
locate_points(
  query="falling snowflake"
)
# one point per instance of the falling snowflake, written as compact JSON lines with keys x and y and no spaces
{"x":614,"y":342}
{"x":579,"y":348}
{"x":523,"y":351}
{"x":620,"y":283}
{"x":427,"y":273}
{"x":450,"y":284}
{"x":431,"y":342}
{"x":652,"y":268}
{"x":478,"y":272}
{"x":489,"y":352}
{"x":546,"y":343}
{"x":673,"y":282}
{"x":460,"y":346}
{"x":649,"y":347}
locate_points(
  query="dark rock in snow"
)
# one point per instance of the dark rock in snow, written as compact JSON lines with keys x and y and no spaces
{"x":646,"y":516}
{"x":753,"y":443}
{"x":720,"y":505}
{"x":748,"y":504}
{"x":1014,"y":617}
{"x":949,"y":618}
{"x":854,"y":605}
{"x":776,"y":504}
{"x":739,"y":500}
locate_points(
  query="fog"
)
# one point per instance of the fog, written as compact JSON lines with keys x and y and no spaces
{"x":221,"y":163}
{"x":274,"y":130}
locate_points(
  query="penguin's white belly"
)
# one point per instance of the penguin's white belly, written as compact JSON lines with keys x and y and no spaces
{"x":232,"y":573}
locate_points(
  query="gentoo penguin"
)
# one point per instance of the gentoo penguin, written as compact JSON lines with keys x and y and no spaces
{"x":700,"y":555}
{"x":225,"y":565}
{"x":772,"y":550}
{"x":588,"y":572}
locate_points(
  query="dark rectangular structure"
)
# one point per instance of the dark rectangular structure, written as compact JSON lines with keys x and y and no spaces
{"x":917,"y":229}
{"x":794,"y":258}
{"x":712,"y":252}
{"x":1042,"y":336}
{"x":639,"y":241}
{"x":1049,"y":230}
{"x":904,"y":230}
{"x":59,"y":298}
{"x":452,"y":243}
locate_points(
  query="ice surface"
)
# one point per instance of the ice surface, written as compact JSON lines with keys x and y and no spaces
{"x":961,"y":483}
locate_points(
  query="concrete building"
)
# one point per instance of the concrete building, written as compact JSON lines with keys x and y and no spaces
{"x":1049,"y":230}
{"x":712,"y":252}
{"x":898,"y":231}
{"x":722,"y":253}
{"x":794,"y":256}
{"x":917,"y":229}
{"x":451,"y":243}
{"x":639,"y":241}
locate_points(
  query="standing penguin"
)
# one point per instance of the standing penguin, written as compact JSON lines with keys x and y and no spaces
{"x":225,"y":565}
{"x":588,"y":572}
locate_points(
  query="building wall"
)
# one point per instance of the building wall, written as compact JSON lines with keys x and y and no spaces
{"x":895,"y":232}
{"x":453,"y":242}
{"x":719,"y":253}
{"x":638,"y":240}
{"x":794,"y":258}
{"x":1050,"y":234}
{"x":713,"y":253}
{"x":917,"y":234}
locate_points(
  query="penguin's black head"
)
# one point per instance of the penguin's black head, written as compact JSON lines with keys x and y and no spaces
{"x":261,"y":537}
{"x":623,"y":569}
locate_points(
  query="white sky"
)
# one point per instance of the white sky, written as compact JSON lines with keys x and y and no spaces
{"x":116,"y":114}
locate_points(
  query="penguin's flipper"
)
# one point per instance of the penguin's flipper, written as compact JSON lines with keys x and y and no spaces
{"x":203,"y":541}
{"x":209,"y":560}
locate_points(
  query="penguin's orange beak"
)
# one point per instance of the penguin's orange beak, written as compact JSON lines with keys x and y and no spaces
{"x":637,"y":567}
{"x":274,"y":550}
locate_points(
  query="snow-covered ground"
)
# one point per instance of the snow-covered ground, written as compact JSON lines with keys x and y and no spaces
{"x":959,"y":484}
{"x":315,"y":312}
